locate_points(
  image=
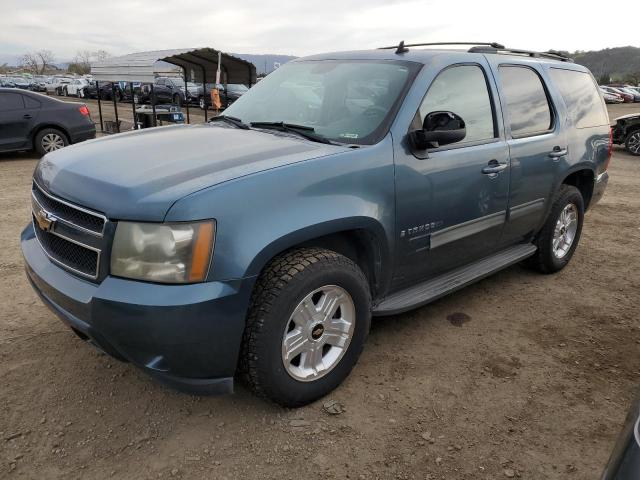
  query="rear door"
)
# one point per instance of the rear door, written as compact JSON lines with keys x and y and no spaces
{"x":535,"y":127}
{"x":15,"y":121}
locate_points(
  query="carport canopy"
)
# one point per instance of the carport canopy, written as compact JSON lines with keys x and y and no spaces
{"x":199,"y":64}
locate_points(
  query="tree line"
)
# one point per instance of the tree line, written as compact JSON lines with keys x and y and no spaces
{"x":40,"y":61}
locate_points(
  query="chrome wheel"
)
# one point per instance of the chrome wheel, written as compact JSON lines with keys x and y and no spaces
{"x":318,"y":333}
{"x":565,"y":230}
{"x":633,"y":143}
{"x":51,"y":142}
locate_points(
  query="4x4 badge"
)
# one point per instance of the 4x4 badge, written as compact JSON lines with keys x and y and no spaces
{"x":45,"y":221}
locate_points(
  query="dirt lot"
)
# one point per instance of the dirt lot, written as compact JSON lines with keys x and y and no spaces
{"x":534,"y":385}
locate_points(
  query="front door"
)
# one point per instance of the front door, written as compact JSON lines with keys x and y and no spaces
{"x":451,"y":201}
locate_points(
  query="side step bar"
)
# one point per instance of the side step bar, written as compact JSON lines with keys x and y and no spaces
{"x":431,"y":290}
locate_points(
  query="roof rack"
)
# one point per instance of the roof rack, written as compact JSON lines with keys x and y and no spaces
{"x":402,"y":48}
{"x":484,"y":47}
{"x":551,"y":54}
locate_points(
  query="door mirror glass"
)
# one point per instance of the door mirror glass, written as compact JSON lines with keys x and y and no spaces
{"x":438,"y":129}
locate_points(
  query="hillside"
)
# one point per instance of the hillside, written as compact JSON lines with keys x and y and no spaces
{"x":619,"y":64}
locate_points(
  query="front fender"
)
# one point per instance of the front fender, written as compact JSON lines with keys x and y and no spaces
{"x":265,"y":213}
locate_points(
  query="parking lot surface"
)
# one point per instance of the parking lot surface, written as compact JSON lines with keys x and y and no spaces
{"x":521,"y":375}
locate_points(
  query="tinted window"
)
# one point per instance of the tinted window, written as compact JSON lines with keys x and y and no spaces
{"x":581,"y":95}
{"x":30,"y":102}
{"x":10,"y":101}
{"x":463,"y":91}
{"x":526,"y":99}
{"x":161,"y":81}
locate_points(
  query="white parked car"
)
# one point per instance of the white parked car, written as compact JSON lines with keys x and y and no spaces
{"x":75,"y":88}
{"x":57,"y":84}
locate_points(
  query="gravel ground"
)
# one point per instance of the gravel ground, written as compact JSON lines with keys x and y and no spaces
{"x":521,"y":375}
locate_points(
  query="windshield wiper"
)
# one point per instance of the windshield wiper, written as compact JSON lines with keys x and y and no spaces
{"x":232,"y":120}
{"x":302,"y":130}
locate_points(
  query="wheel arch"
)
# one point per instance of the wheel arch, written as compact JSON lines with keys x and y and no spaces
{"x":360,"y":239}
{"x":39,"y":128}
{"x":583,"y":178}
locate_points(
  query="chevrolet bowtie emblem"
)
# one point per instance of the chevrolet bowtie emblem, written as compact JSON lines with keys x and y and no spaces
{"x":45,"y":220}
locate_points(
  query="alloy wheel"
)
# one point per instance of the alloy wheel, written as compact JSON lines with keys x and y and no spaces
{"x":51,"y":142}
{"x":565,"y":231}
{"x":633,"y":143}
{"x":318,"y":333}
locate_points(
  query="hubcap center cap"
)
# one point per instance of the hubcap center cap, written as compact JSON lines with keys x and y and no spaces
{"x":317,"y":331}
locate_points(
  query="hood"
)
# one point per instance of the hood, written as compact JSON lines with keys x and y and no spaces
{"x":139,"y":175}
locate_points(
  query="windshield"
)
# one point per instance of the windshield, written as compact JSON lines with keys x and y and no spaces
{"x":345,"y":101}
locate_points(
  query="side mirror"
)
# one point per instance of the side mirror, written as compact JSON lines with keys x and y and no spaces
{"x":439,"y":128}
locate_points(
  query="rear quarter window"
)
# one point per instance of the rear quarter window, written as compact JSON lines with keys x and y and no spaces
{"x":527,"y":103}
{"x":581,"y":96}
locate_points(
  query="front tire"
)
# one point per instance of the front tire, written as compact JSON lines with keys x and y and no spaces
{"x":632,"y":142}
{"x":559,"y":237}
{"x":309,"y":318}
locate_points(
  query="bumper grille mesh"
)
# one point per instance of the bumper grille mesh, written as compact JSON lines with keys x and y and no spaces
{"x":69,"y":254}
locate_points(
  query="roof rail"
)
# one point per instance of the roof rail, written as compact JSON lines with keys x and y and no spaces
{"x":402,"y":48}
{"x":483,"y":47}
{"x":550,"y":54}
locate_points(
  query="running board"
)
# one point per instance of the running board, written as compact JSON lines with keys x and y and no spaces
{"x":431,"y":290}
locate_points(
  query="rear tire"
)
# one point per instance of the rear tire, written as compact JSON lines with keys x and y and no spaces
{"x":312,"y":300}
{"x":632,"y":142}
{"x":559,"y":237}
{"x":49,"y":140}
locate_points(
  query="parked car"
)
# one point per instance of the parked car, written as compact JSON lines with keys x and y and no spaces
{"x":106,"y":91}
{"x":7,"y":83}
{"x":228,"y":95}
{"x":34,"y":121}
{"x":626,"y":131}
{"x":20,"y":82}
{"x":38,"y":84}
{"x":611,"y":97}
{"x":268,"y":236}
{"x":627,"y":97}
{"x":628,"y":89}
{"x":57,"y":84}
{"x":75,"y":87}
{"x":624,"y":462}
{"x":167,"y":90}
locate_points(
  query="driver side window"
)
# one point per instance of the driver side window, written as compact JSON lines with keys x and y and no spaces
{"x":462,"y":90}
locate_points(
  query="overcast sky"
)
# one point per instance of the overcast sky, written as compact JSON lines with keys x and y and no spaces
{"x":300,"y":27}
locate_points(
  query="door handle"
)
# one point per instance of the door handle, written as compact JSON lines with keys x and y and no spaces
{"x":494,"y":167}
{"x":558,"y":152}
{"x":27,"y":116}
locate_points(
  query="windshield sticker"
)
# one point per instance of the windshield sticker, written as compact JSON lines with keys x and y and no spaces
{"x":349,"y":135}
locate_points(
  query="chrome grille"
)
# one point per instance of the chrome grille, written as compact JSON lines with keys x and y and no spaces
{"x":71,"y":214}
{"x":70,"y":235}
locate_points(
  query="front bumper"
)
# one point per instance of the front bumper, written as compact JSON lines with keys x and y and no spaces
{"x":186,"y":336}
{"x":599,"y":187}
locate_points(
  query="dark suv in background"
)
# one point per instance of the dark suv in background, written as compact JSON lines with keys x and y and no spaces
{"x":339,"y":187}
{"x":167,"y":90}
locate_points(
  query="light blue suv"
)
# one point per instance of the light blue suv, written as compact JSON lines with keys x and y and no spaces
{"x":342,"y":186}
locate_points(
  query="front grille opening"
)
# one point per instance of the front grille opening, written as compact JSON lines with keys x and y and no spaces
{"x":68,"y":213}
{"x":69,"y":254}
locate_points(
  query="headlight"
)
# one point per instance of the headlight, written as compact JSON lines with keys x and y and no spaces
{"x":163,"y":252}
